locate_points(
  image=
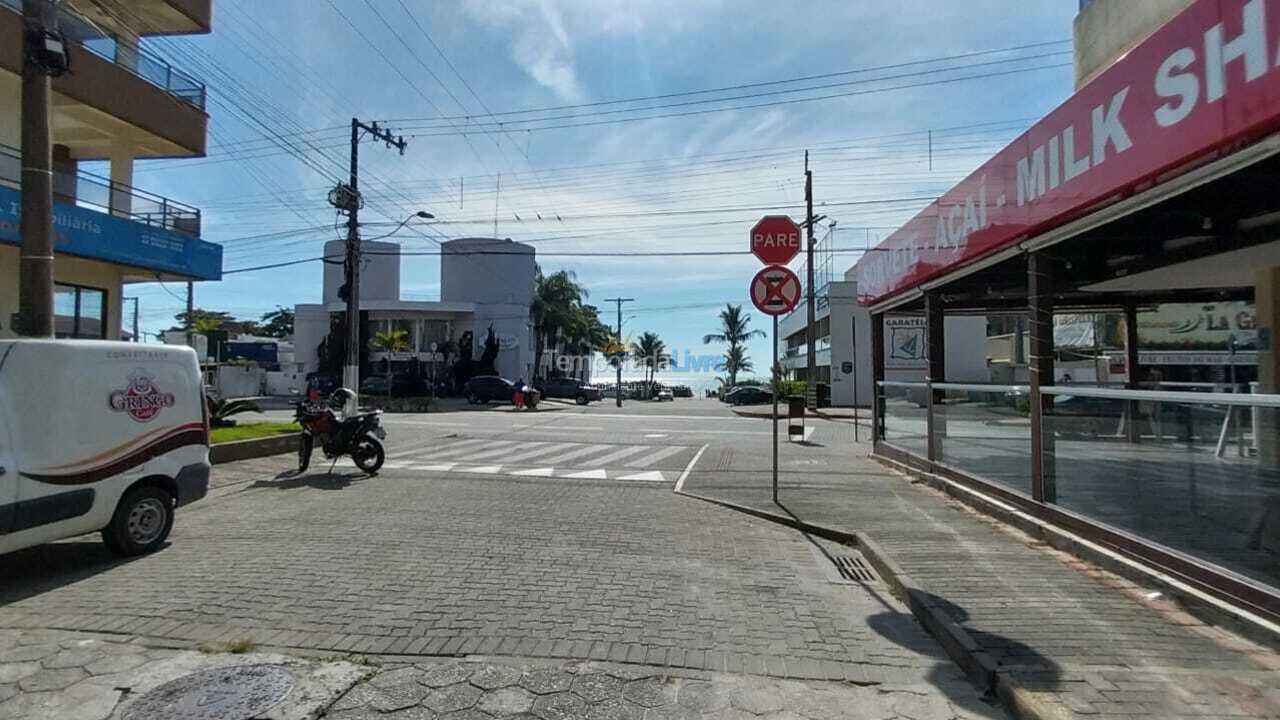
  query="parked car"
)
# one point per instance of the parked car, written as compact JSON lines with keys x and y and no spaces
{"x":750,"y":396}
{"x":571,"y":388}
{"x":664,"y":393}
{"x":400,"y":385}
{"x":488,"y":388}
{"x":99,"y":436}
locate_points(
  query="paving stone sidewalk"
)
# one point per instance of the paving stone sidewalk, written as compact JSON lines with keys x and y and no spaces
{"x":1085,"y":642}
{"x":54,"y":675}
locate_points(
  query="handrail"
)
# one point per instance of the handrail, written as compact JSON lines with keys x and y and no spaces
{"x":900,"y":383}
{"x":97,"y":192}
{"x":977,"y":387}
{"x":138,"y":62}
{"x":1196,"y":398}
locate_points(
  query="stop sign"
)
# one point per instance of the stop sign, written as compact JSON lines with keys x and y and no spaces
{"x":775,"y":239}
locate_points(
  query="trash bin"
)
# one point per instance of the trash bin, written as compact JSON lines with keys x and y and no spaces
{"x":795,"y":418}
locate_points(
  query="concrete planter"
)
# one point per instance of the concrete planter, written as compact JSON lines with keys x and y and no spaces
{"x":257,"y":447}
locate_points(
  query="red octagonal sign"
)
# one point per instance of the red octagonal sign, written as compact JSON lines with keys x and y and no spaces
{"x":775,"y":239}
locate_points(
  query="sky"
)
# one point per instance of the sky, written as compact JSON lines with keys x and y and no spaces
{"x":522,"y":111}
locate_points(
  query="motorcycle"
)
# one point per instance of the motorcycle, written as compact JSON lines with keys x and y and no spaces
{"x":359,"y":436}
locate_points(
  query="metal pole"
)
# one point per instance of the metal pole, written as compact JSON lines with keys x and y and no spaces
{"x":190,"y":324}
{"x":351,"y":371}
{"x":618,"y":387}
{"x":136,"y":336}
{"x":35,"y":276}
{"x":811,"y":332}
{"x":1040,"y":295}
{"x":1131,"y":369}
{"x":774,"y":371}
{"x":854,"y":322}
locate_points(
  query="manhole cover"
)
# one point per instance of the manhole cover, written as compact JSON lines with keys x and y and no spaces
{"x":230,"y":693}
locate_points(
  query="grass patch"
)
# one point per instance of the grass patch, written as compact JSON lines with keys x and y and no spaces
{"x":250,"y":431}
{"x":235,"y":647}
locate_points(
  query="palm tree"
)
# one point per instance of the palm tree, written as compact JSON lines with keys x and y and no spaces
{"x":557,"y":301}
{"x":652,"y":351}
{"x":733,"y":330}
{"x":735,"y":361}
{"x":390,"y":341}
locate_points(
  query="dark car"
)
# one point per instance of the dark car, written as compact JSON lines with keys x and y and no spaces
{"x":749,"y":396}
{"x":574,"y":388}
{"x":396,"y":384}
{"x":486,"y":388}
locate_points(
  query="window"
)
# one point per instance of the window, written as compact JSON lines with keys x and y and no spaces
{"x":79,"y":312}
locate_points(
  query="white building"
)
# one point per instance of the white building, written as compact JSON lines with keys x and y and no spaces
{"x":843,"y":348}
{"x":484,"y":283}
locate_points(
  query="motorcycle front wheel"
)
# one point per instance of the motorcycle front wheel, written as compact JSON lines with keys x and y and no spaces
{"x":304,"y":451}
{"x":368,"y":454}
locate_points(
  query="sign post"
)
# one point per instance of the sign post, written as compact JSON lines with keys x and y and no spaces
{"x":775,"y":291}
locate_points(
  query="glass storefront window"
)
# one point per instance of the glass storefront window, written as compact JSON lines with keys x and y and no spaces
{"x":79,"y":312}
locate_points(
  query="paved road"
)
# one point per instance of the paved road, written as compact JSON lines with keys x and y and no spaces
{"x":501,"y":534}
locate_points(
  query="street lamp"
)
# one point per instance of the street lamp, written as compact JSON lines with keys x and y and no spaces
{"x":423,"y":214}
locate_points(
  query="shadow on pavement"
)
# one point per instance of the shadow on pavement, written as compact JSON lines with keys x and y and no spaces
{"x":322,"y":480}
{"x":1033,"y":669}
{"x":37,"y":570}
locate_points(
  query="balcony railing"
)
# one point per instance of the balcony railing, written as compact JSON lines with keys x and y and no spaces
{"x":85,"y":189}
{"x":131,"y":58}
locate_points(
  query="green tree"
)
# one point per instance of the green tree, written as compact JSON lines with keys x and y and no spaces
{"x":652,"y":352}
{"x":734,"y":332}
{"x":390,"y":341}
{"x":735,"y":361}
{"x":557,"y":304}
{"x":278,"y":323}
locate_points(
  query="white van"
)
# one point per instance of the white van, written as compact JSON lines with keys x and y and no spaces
{"x":98,"y":436}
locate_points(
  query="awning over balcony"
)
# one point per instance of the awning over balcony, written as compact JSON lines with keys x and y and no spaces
{"x":91,"y":234}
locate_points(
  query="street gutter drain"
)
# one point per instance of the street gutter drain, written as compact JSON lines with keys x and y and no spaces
{"x":239,"y":692}
{"x":853,"y":567}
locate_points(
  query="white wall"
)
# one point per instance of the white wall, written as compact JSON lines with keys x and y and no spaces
{"x":286,"y":383}
{"x":240,"y":381}
{"x":506,"y":278}
{"x":379,"y":273}
{"x":511,"y":327}
{"x":310,"y":327}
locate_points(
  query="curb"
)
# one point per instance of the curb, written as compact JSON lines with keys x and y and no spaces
{"x":255,"y":448}
{"x":978,"y":665}
{"x":1199,"y":604}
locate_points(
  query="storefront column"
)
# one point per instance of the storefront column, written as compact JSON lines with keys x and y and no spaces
{"x":935,"y":341}
{"x":1040,"y":299}
{"x":877,"y":376}
{"x":1267,"y":301}
{"x":121,"y":181}
{"x":1131,"y":368}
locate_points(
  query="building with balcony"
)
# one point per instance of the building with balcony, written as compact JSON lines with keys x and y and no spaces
{"x":118,"y":104}
{"x":484,"y":284}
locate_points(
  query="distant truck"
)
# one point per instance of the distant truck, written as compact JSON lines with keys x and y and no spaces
{"x":570,"y":388}
{"x":99,"y":436}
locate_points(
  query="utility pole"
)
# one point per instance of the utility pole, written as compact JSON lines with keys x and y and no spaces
{"x":136,"y":337}
{"x":349,"y":199}
{"x":811,"y":391}
{"x":44,"y":56}
{"x":189,"y":324}
{"x":618,"y":387}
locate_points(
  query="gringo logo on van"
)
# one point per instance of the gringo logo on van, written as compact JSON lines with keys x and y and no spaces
{"x":142,"y":399}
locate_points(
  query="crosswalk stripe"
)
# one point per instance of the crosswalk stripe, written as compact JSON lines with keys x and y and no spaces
{"x":428,"y":450}
{"x":446,"y":467}
{"x":580,"y":452}
{"x":533,"y":472}
{"x":624,"y":452}
{"x":490,"y":448}
{"x":650,"y":476}
{"x":588,"y":475}
{"x":526,"y":455}
{"x":500,"y":449}
{"x":481,"y":469}
{"x":662,"y":454}
{"x":418,"y":448}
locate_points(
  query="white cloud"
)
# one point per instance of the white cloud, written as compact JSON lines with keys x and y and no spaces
{"x":542,"y":46}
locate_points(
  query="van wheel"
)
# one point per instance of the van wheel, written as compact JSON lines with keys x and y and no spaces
{"x":141,"y":523}
{"x":582,"y":399}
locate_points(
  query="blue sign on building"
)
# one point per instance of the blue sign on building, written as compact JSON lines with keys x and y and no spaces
{"x":96,"y":235}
